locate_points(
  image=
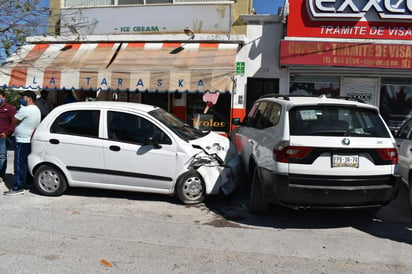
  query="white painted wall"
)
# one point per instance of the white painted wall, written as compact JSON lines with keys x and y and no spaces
{"x":261,"y":54}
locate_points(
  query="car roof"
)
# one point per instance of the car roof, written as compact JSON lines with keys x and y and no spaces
{"x":108,"y":105}
{"x":292,"y":101}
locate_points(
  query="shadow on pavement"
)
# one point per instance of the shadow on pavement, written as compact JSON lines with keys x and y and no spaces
{"x":393,"y":221}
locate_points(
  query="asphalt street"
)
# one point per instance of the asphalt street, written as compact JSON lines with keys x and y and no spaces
{"x":99,"y":231}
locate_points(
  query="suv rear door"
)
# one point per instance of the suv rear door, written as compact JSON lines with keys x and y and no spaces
{"x":343,"y":141}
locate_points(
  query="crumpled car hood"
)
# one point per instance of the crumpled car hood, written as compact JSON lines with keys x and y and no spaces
{"x":214,"y":143}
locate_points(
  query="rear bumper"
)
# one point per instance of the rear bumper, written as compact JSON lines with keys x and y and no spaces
{"x":329,"y":191}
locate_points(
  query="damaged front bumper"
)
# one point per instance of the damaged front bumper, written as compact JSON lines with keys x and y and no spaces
{"x":221,"y":177}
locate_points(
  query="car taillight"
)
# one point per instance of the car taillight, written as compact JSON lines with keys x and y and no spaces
{"x":284,"y":154}
{"x":389,"y":154}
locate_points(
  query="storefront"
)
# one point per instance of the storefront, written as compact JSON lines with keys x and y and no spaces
{"x":99,"y":52}
{"x":360,"y":49}
{"x":193,"y":80}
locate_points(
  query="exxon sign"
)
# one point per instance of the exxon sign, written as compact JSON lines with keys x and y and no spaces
{"x":354,"y":10}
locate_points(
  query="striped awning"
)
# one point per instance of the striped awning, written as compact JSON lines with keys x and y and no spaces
{"x":160,"y":67}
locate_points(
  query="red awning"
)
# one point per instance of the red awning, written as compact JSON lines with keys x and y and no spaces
{"x":190,"y":67}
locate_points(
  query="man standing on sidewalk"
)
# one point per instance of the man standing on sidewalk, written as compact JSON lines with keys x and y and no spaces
{"x":26,"y":120}
{"x":44,"y":104}
{"x":7,"y":113}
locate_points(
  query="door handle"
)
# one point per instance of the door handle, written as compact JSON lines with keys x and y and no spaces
{"x":114,"y":148}
{"x":54,"y":141}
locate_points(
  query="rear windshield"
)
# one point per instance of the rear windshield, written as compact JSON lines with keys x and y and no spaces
{"x":336,"y":121}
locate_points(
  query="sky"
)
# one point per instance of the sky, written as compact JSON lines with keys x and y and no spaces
{"x":267,"y":6}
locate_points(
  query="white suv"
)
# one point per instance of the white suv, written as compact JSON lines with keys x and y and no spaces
{"x":317,"y":152}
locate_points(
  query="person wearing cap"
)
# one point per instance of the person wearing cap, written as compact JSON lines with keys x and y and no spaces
{"x":7,"y":113}
{"x":26,"y":120}
{"x":44,"y":104}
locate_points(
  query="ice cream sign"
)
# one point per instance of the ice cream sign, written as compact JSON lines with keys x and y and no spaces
{"x":368,"y":19}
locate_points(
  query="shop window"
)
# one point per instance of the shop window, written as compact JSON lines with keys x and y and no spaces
{"x":310,"y":85}
{"x":209,"y":111}
{"x":395,"y":102}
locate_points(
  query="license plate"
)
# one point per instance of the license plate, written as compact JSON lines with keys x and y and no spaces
{"x":345,"y":161}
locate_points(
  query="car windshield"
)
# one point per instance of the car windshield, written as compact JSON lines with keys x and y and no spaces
{"x":336,"y":121}
{"x":181,"y":129}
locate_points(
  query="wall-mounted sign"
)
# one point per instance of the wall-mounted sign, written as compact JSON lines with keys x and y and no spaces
{"x":240,"y":68}
{"x":346,"y":54}
{"x":361,"y":88}
{"x":368,"y":19}
{"x":146,"y":19}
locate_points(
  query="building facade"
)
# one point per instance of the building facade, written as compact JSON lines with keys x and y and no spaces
{"x":355,"y":48}
{"x":184,"y":56}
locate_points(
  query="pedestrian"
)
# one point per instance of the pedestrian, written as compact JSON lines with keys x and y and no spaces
{"x":7,"y":113}
{"x":26,"y":120}
{"x":44,"y":104}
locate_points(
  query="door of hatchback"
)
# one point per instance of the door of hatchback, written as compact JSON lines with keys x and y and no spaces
{"x":138,"y":154}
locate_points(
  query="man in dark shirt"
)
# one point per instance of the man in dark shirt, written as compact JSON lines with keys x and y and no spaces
{"x":7,"y":112}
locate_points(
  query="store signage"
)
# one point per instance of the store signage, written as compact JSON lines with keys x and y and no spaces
{"x":240,"y":68}
{"x":365,"y":19}
{"x":386,"y":9}
{"x":346,"y":54}
{"x":211,"y":18}
{"x":207,"y":122}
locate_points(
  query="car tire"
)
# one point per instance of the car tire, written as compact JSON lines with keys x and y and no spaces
{"x":257,"y":202}
{"x":190,"y":188}
{"x":50,"y":181}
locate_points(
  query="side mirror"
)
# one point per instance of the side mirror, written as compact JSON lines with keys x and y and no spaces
{"x":154,"y":141}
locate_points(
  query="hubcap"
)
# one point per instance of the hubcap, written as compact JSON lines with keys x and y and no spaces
{"x":193,"y":188}
{"x":49,"y":180}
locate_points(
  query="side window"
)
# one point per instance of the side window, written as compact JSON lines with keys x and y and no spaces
{"x":134,"y":129}
{"x":264,"y":118}
{"x":248,"y":121}
{"x":403,"y":131}
{"x":255,"y":115}
{"x":274,"y":116}
{"x":77,"y":122}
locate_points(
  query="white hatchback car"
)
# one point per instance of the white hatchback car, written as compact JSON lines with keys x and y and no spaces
{"x":317,"y":152}
{"x":404,"y":143}
{"x":132,"y":147}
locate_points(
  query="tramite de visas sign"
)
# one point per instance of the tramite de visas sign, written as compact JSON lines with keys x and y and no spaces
{"x":369,"y":19}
